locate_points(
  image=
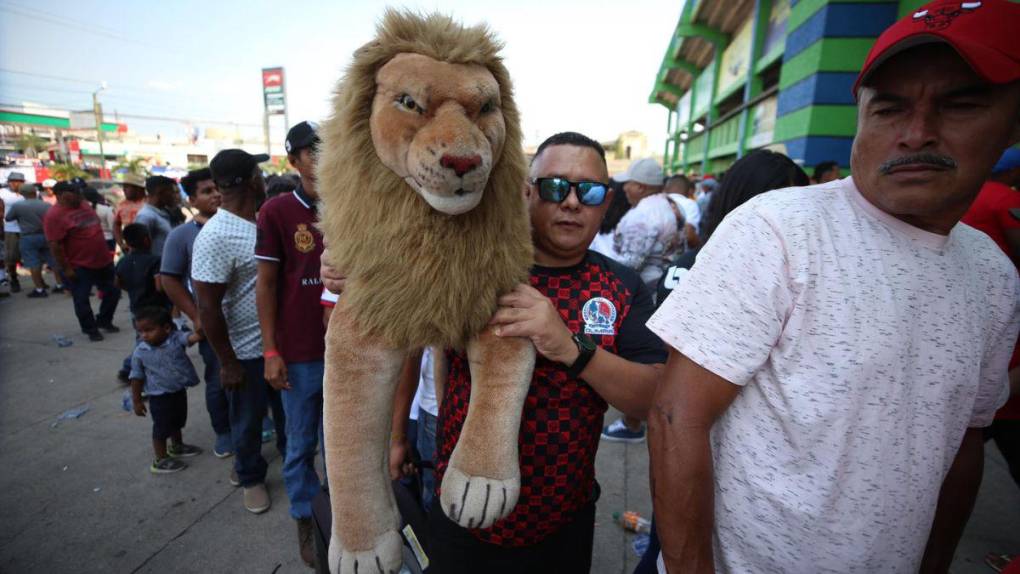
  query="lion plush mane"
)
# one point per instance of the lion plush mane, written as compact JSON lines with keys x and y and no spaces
{"x":417,"y":276}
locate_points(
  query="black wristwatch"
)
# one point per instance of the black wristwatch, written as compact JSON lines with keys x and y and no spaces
{"x":586,"y":347}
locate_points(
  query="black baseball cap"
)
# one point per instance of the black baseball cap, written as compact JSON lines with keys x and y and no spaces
{"x":233,"y":166}
{"x":302,"y":135}
{"x":64,"y":186}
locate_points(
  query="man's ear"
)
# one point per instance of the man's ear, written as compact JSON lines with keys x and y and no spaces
{"x":526,"y":190}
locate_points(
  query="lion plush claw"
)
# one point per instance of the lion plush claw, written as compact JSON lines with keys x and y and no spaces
{"x":420,"y":172}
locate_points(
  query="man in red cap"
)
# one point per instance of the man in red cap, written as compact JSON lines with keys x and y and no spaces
{"x":823,"y":403}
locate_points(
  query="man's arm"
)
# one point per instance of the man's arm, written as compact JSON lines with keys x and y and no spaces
{"x":265,"y":299}
{"x":177,"y":292}
{"x":956,"y":500}
{"x":118,"y":236}
{"x":687,"y":403}
{"x":627,"y":385}
{"x":400,"y":446}
{"x":214,"y":323}
{"x":57,"y":250}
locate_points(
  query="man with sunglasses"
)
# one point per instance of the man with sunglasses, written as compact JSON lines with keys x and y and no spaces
{"x":585,"y":313}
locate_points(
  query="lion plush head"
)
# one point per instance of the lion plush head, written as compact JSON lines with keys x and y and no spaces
{"x":421,"y":171}
{"x":439,"y":126}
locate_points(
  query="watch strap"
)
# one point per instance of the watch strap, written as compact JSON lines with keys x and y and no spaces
{"x":586,"y":347}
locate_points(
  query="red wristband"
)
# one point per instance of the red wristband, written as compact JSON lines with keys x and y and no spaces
{"x":268,"y":354}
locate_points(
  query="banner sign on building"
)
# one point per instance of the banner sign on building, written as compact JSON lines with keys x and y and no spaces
{"x":775,"y":35}
{"x":735,"y":61}
{"x":273,"y":93}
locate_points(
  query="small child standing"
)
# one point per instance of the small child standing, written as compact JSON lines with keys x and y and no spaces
{"x":161,"y":365}
{"x":137,"y":272}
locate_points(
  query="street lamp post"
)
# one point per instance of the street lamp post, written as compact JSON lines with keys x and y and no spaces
{"x":99,"y":127}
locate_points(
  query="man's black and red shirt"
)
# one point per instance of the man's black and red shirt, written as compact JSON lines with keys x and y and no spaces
{"x":562,"y":418}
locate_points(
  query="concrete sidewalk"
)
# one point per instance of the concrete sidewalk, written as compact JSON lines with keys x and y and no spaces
{"x":77,"y":496}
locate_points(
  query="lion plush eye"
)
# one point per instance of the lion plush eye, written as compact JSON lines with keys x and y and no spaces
{"x":490,"y":106}
{"x":408,"y":103}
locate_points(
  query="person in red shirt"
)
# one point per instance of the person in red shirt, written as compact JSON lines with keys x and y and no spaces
{"x":996,"y":211}
{"x":288,"y":289}
{"x":76,"y":241}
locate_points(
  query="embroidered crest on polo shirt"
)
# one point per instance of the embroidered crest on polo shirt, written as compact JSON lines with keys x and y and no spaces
{"x":941,"y":18}
{"x":304,"y":241}
{"x":599,"y":314}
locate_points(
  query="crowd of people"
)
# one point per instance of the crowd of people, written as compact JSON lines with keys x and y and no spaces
{"x":820,"y":360}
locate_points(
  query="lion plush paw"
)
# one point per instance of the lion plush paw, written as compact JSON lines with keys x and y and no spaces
{"x":383,"y":558}
{"x":476,"y":501}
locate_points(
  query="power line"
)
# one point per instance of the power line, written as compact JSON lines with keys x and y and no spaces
{"x":68,"y":23}
{"x":113,"y":86}
{"x":44,"y":13}
{"x":49,"y":77}
{"x":152,"y":117}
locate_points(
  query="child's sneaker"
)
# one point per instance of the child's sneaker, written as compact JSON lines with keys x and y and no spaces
{"x":267,"y":429}
{"x":224,"y":447}
{"x":618,"y":432}
{"x":166,"y":466}
{"x":182,"y":450}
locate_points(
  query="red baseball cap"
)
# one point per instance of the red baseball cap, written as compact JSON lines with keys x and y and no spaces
{"x":986,"y":34}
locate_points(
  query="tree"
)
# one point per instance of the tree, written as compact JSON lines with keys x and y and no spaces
{"x":133,"y":166}
{"x":30,"y":144}
{"x":66,"y":171}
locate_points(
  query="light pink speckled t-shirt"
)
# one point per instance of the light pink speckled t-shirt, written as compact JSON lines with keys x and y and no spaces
{"x":866,"y":347}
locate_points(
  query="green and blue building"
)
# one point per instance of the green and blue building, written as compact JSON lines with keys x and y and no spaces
{"x":740,"y":75}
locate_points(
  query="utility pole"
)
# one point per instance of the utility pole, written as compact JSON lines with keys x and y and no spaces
{"x":265,"y":131}
{"x":98,"y":111}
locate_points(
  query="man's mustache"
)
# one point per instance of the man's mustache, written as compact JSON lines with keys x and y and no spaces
{"x":918,"y":159}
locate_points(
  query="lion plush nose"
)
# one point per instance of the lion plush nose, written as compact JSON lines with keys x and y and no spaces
{"x":460,"y":164}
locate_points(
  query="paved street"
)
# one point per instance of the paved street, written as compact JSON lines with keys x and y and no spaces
{"x":77,"y":496}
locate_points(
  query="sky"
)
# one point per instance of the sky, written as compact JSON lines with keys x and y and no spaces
{"x":577,"y":65}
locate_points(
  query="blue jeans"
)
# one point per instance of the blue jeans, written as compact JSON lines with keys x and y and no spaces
{"x":102,"y":279}
{"x":215,"y":397}
{"x":303,"y":405}
{"x":35,"y":251}
{"x":427,"y":450}
{"x":246,"y":408}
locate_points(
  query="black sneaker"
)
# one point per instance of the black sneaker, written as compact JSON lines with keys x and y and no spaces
{"x":182,"y":450}
{"x":15,"y":286}
{"x":166,"y":466}
{"x":38,"y":294}
{"x":95,"y":336}
{"x":110,"y":328}
{"x":58,"y":289}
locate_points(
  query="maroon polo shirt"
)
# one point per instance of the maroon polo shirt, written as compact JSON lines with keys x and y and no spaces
{"x":287,"y":235}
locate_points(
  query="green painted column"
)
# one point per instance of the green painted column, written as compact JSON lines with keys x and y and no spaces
{"x":713,"y":110}
{"x":752,"y":84}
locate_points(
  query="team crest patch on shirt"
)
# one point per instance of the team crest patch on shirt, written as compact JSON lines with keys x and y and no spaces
{"x":304,"y":241}
{"x":599,"y":314}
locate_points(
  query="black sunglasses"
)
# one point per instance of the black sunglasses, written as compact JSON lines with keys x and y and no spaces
{"x":556,"y":189}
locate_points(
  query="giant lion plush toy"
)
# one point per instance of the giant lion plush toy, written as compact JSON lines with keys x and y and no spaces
{"x":420,"y":171}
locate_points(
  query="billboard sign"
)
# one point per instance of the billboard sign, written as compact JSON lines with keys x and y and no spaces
{"x":85,"y":120}
{"x":273,"y":94}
